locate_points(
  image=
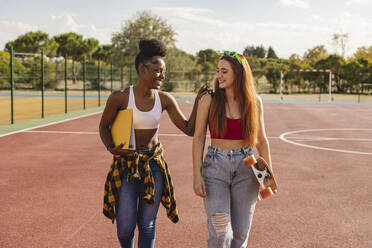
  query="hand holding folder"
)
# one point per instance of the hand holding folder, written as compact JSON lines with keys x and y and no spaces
{"x":122,"y":130}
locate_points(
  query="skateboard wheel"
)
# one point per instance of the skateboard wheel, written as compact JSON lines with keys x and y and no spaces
{"x":265,"y":193}
{"x":249,"y":161}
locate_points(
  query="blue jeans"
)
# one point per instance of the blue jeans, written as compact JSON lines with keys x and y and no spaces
{"x":132,"y":210}
{"x":232,"y":191}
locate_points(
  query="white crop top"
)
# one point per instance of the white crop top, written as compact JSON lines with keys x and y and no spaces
{"x":145,"y":120}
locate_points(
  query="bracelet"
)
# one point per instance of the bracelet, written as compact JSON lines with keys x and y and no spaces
{"x":109,"y":146}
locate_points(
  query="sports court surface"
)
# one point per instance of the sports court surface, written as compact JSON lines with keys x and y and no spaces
{"x":52,"y":180}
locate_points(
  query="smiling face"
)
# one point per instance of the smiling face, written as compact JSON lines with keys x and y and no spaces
{"x":225,"y":74}
{"x":153,"y":72}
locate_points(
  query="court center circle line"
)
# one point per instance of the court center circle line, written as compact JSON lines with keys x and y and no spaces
{"x":283,"y":138}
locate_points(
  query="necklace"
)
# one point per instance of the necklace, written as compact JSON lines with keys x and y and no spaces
{"x":229,"y":111}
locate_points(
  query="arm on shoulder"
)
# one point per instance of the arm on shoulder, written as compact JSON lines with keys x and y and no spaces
{"x":170,"y":104}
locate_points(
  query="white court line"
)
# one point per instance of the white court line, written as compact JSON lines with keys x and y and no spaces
{"x":93,"y":133}
{"x":48,"y":124}
{"x":283,"y":138}
{"x":78,"y":230}
{"x":299,"y":138}
{"x":96,"y":133}
{"x":60,"y":132}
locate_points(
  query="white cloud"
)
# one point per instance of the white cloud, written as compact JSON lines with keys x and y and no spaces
{"x":58,"y":23}
{"x":350,"y":2}
{"x":10,"y":30}
{"x":197,"y":29}
{"x":195,"y":11}
{"x":64,"y":22}
{"x":193,"y":15}
{"x":203,"y":29}
{"x":316,"y":18}
{"x":295,"y":3}
{"x":67,"y":22}
{"x":358,"y":29}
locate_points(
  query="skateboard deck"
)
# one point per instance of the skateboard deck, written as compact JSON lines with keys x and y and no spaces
{"x":262,"y":171}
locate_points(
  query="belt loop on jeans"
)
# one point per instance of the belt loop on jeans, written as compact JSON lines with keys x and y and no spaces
{"x":214,"y":151}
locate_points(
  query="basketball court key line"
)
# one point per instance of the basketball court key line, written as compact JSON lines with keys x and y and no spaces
{"x":285,"y":139}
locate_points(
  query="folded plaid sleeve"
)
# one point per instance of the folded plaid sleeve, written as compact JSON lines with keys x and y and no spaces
{"x":139,"y":169}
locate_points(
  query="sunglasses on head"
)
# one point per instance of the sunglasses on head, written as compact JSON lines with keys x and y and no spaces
{"x":232,"y":54}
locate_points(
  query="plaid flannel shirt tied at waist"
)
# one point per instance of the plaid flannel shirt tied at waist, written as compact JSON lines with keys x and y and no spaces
{"x":138,"y":167}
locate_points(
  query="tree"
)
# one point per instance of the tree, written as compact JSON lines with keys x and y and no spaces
{"x":355,"y":72}
{"x":33,"y":42}
{"x":364,"y":52}
{"x":254,"y":51}
{"x":271,"y":53}
{"x":335,"y":63}
{"x":103,"y":53}
{"x":144,"y":25}
{"x":312,"y":55}
{"x":340,"y":41}
{"x":178,"y":62}
{"x":272,"y":74}
{"x":89,"y":46}
{"x":208,"y":55}
{"x":294,"y":56}
{"x":207,"y":61}
{"x":352,"y":72}
{"x":19,"y":69}
{"x":73,"y":45}
{"x":298,"y":79}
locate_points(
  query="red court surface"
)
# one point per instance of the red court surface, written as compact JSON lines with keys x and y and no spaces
{"x":52,"y":180}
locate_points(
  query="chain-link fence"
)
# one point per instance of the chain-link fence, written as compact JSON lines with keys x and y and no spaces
{"x":34,"y":86}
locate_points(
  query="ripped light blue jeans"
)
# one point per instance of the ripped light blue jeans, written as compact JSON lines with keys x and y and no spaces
{"x":232,"y":191}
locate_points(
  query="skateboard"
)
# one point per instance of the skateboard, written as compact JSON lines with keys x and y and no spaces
{"x":262,"y":170}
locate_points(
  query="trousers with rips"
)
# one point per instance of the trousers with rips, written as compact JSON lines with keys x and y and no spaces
{"x":232,"y":191}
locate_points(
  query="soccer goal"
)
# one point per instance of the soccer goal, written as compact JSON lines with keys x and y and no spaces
{"x":331,"y":80}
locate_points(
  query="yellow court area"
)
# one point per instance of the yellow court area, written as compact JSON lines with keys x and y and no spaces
{"x":27,"y":108}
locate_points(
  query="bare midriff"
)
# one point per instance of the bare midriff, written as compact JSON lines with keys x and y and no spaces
{"x":146,"y":138}
{"x":228,"y":144}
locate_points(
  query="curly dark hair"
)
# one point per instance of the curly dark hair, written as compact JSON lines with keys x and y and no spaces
{"x":150,"y":48}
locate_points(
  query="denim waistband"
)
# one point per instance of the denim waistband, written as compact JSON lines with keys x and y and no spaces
{"x":225,"y":152}
{"x":147,"y":151}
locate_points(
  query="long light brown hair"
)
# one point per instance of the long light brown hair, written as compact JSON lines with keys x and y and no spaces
{"x":245,"y":93}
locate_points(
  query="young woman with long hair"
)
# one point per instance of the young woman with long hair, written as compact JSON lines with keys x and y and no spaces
{"x":139,"y":180}
{"x":234,"y":114}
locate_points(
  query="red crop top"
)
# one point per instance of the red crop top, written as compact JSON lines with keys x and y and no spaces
{"x":234,"y":130}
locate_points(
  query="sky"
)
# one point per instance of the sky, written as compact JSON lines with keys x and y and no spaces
{"x":289,"y":26}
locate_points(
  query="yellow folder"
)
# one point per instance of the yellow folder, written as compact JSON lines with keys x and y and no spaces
{"x":122,"y":129}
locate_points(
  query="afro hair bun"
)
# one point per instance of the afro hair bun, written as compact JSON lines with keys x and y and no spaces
{"x":152,"y":47}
